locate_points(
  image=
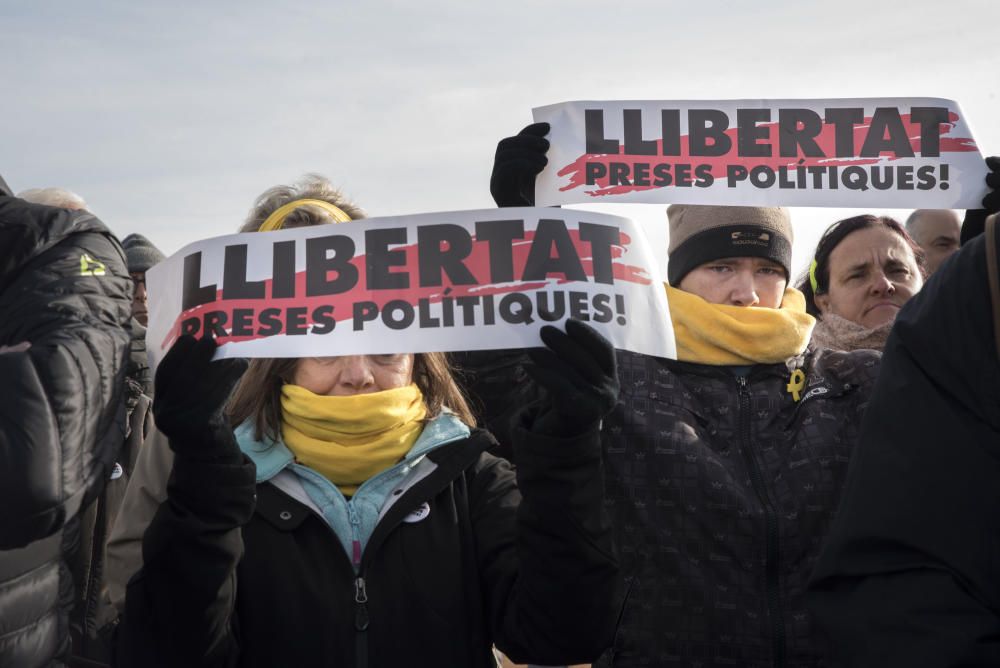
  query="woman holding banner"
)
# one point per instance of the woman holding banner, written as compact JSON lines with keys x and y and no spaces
{"x":353,"y":517}
{"x":864,"y":270}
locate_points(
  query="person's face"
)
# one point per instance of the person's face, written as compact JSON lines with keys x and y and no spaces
{"x":872,"y":274}
{"x":140,"y":301}
{"x":738,"y":281}
{"x":938,"y":231}
{"x":353,"y":374}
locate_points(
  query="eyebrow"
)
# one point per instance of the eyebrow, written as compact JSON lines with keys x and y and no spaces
{"x":944,"y":238}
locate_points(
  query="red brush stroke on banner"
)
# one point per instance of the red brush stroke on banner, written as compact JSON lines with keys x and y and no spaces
{"x":826,"y":140}
{"x":477,"y":261}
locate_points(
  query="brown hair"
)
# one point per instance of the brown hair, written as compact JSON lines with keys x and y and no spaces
{"x":258,"y":396}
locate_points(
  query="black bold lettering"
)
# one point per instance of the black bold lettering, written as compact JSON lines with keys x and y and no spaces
{"x":193,"y":293}
{"x":541,"y":262}
{"x":619,"y":173}
{"x":601,"y":238}
{"x":791,"y":136}
{"x":930,"y":119}
{"x":843,"y":120}
{"x":634,"y":143}
{"x":406,"y":314}
{"x":705,"y":125}
{"x":323,"y":320}
{"x":594,"y":171}
{"x":283,"y":270}
{"x":749,"y":133}
{"x":234,"y":276}
{"x":364,"y":312}
{"x":670,"y":124}
{"x":270,"y":320}
{"x":593,"y":121}
{"x":243,"y":322}
{"x":500,"y":236}
{"x":215,"y":322}
{"x":886,"y":119}
{"x":379,"y":259}
{"x":295,"y":321}
{"x":434,"y":261}
{"x":190,"y":326}
{"x":319,"y":265}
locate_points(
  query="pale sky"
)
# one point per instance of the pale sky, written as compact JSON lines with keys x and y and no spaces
{"x":169,"y":118}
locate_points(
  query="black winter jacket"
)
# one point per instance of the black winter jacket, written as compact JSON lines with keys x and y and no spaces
{"x":721,"y":488}
{"x":238,"y":574}
{"x":65,"y":289}
{"x":910,"y":574}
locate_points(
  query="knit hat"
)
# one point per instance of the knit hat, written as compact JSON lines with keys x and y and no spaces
{"x":141,"y":253}
{"x":700,"y":234}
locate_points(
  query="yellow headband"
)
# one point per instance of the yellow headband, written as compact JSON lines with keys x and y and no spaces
{"x":812,"y":277}
{"x":277,"y":219}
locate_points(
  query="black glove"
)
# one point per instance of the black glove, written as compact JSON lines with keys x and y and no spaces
{"x":580,"y":376}
{"x":975,"y":219}
{"x":190,"y":398}
{"x":518,"y":161}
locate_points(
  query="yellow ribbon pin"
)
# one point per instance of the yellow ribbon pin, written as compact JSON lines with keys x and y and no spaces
{"x":796,"y":384}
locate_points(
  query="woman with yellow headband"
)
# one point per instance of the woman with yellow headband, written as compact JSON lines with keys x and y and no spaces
{"x":354,"y":518}
{"x":864,"y":270}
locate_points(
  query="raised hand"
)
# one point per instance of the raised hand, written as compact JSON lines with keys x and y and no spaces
{"x":578,"y":371}
{"x":191,"y":395}
{"x":518,"y":161}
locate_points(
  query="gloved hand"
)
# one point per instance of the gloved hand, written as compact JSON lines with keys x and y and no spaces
{"x":580,"y":376}
{"x":518,"y":161}
{"x":975,"y":219}
{"x":190,"y":398}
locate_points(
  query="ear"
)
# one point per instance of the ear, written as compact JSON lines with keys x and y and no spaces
{"x":823,"y":303}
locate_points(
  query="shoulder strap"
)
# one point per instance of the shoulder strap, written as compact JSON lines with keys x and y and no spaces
{"x":993,"y":271}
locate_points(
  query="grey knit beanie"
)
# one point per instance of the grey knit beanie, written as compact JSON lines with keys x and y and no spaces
{"x":141,"y":253}
{"x":700,"y":234}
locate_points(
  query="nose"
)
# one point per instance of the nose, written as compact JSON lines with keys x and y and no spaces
{"x":140,"y":292}
{"x":356,"y":374}
{"x":881,"y":285}
{"x":744,"y":290}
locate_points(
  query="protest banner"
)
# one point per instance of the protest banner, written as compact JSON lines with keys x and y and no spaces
{"x":881,"y":152}
{"x":473,"y":280}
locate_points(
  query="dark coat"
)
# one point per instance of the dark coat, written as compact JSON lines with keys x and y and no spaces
{"x":910,"y":574}
{"x":64,"y":288}
{"x":720,"y":496}
{"x":721,"y":488}
{"x":241,"y":574}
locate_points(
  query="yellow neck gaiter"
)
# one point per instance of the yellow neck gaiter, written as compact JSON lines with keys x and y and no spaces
{"x":351,"y":439}
{"x":725,"y":335}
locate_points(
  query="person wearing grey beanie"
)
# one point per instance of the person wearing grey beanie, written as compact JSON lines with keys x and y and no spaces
{"x":141,"y":255}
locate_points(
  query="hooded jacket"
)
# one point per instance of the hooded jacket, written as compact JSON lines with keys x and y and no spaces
{"x":65,"y":290}
{"x":262,"y":562}
{"x":910,"y":576}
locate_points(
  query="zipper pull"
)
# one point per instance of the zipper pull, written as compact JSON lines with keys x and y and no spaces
{"x":355,"y":535}
{"x":361,"y":610}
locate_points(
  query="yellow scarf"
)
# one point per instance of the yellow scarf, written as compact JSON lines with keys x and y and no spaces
{"x":725,"y":335}
{"x":351,"y":439}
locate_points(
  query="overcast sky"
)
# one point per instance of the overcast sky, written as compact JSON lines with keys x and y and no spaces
{"x":169,"y":118}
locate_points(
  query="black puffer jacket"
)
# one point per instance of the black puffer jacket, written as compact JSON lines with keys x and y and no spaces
{"x":65,"y":289}
{"x":721,"y":488}
{"x":910,"y":575}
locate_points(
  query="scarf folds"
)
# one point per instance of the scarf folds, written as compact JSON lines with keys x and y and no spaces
{"x":723,"y":335}
{"x":836,"y":333}
{"x":351,"y":439}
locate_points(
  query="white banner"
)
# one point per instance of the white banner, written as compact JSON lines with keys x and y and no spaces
{"x":471,"y":280}
{"x":856,"y":153}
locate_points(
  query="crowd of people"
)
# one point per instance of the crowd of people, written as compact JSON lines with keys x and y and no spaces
{"x":811,"y":482}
